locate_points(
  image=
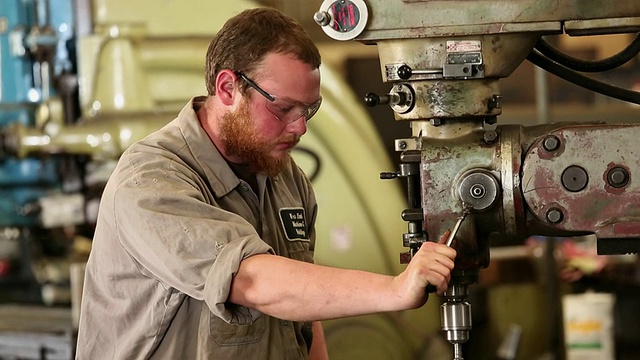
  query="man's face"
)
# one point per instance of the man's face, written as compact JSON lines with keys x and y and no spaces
{"x":251,"y":133}
{"x":242,"y":139}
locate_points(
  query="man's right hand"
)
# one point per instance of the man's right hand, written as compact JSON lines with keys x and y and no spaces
{"x":431,"y":265}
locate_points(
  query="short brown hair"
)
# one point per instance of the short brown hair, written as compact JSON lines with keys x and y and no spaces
{"x":248,"y":37}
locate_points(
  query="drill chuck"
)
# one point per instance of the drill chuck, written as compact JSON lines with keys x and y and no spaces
{"x":455,"y":319}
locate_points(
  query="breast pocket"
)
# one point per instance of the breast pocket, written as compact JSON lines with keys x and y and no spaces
{"x":225,"y":334}
{"x":299,"y":250}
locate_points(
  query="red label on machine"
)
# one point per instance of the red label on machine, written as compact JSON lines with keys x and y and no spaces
{"x":463,"y":46}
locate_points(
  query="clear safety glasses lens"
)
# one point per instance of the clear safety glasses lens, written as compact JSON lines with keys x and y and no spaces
{"x":289,"y":112}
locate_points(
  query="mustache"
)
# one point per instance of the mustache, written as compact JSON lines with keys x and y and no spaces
{"x":290,"y":139}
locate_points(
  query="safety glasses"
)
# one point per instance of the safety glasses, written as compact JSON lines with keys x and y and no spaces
{"x":287,"y":111}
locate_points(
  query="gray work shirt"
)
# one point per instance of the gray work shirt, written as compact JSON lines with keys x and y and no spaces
{"x":174,"y":224}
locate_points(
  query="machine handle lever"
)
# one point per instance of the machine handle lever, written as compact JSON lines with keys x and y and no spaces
{"x":405,"y":72}
{"x":388,"y":175}
{"x":466,"y":209}
{"x":373,"y":99}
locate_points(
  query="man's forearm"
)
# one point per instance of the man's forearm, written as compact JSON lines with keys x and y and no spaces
{"x":300,"y":291}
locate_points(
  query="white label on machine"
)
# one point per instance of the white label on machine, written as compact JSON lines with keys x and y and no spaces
{"x":62,"y":210}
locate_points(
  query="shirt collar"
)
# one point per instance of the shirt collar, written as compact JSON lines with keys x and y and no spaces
{"x":214,"y":166}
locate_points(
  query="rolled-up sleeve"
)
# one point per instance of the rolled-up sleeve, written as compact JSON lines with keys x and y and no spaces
{"x":167,"y":223}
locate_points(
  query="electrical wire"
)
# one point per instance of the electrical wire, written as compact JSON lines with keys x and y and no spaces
{"x":317,"y":162}
{"x":583,"y":65}
{"x":589,"y":83}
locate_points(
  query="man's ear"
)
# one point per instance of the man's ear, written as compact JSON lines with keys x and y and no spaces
{"x":225,"y":86}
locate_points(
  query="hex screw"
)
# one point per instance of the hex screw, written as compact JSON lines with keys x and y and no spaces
{"x":490,"y":136}
{"x":551,"y":143}
{"x":618,"y":177}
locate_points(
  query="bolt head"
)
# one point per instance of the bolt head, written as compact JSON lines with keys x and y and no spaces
{"x":555,"y":215}
{"x":551,"y":143}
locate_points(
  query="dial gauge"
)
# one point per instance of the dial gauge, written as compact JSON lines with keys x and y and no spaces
{"x":342,"y":19}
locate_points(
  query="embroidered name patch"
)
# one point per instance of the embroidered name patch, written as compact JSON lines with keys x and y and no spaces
{"x":294,"y":223}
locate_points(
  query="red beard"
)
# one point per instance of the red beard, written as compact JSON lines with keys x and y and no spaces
{"x":241,"y":139}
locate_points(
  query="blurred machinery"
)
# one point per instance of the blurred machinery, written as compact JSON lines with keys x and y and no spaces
{"x":80,"y":80}
{"x":36,"y":60}
{"x":443,"y":60}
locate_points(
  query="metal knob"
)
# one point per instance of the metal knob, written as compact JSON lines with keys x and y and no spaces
{"x":322,"y":18}
{"x":372,"y":99}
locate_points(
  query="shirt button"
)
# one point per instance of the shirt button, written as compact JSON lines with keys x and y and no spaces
{"x":285,"y":323}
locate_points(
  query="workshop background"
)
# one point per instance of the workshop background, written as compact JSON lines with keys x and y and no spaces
{"x":83,"y":79}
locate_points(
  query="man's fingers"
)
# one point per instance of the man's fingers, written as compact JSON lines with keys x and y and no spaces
{"x":434,"y":262}
{"x":441,"y":281}
{"x":441,"y":269}
{"x":437,"y":248}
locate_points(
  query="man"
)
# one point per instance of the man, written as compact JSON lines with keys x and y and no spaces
{"x":204,"y":243}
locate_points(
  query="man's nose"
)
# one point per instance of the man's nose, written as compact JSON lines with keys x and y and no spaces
{"x":299,"y":126}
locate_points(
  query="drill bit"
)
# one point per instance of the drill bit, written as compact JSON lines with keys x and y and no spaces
{"x":457,"y":351}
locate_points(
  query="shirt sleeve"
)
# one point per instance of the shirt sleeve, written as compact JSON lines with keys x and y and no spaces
{"x":167,"y":221}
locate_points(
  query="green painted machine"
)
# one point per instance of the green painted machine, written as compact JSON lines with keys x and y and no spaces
{"x":443,"y":60}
